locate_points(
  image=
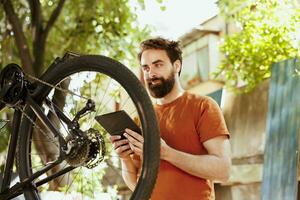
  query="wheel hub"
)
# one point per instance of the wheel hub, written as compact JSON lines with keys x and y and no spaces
{"x":88,"y":150}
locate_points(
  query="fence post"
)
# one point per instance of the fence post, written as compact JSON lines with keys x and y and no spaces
{"x":283,"y":123}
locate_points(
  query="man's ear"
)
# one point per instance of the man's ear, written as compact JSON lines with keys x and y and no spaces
{"x":177,"y":65}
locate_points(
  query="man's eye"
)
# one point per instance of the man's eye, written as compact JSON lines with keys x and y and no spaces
{"x":145,"y":68}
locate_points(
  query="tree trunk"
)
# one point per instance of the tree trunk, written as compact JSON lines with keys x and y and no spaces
{"x":19,"y":36}
{"x":49,"y":151}
{"x":33,"y":64}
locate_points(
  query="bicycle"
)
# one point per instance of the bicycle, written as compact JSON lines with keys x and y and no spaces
{"x":57,"y":111}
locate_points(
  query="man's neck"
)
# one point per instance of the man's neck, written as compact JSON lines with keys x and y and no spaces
{"x":176,"y":92}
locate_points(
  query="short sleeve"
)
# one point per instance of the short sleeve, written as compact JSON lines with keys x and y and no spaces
{"x":210,"y":122}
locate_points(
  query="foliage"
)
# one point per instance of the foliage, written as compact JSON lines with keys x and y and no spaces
{"x":87,"y":27}
{"x":101,"y":27}
{"x":5,"y":134}
{"x":269,"y":32}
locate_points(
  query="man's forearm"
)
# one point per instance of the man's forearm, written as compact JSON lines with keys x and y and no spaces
{"x":210,"y":167}
{"x":129,"y":173}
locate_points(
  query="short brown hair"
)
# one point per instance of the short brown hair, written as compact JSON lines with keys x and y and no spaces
{"x":171,"y":47}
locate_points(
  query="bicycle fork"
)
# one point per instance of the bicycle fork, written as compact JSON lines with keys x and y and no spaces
{"x":11,"y":153}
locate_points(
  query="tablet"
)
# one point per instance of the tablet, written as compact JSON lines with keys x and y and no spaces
{"x":115,"y":123}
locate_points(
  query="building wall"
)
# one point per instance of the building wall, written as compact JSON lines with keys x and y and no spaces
{"x":245,"y":114}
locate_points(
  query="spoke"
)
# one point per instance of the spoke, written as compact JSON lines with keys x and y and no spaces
{"x":134,"y":111}
{"x":76,"y":101}
{"x":76,"y":174}
{"x":68,"y":177}
{"x":61,"y":122}
{"x":56,"y":87}
{"x":114,"y":168}
{"x":81,"y":189}
{"x":125,"y":102}
{"x":97,"y":84}
{"x":40,"y":154}
{"x":111,"y":161}
{"x":110,"y":98}
{"x":62,"y":177}
{"x":95,"y":95}
{"x":118,"y":170}
{"x":39,"y":128}
{"x":40,"y":140}
{"x":107,"y":180}
{"x":37,"y":166}
{"x":90,"y":85}
{"x":102,"y":99}
{"x":93,"y":182}
{"x":54,"y":176}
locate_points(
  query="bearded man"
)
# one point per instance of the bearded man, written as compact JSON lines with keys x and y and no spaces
{"x":195,"y":149}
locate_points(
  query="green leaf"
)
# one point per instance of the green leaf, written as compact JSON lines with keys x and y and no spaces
{"x":268,"y":36}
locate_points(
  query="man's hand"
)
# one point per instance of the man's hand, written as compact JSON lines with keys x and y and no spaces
{"x":164,"y":148}
{"x":121,"y":147}
{"x":136,"y":142}
{"x":129,"y":169}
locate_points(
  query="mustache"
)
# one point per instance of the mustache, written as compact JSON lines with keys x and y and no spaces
{"x":149,"y":80}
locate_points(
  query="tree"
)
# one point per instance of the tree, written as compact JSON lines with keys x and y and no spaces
{"x":270,"y":31}
{"x":42,"y":30}
{"x":34,"y":32}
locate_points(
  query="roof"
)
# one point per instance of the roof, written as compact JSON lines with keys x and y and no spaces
{"x":198,"y":32}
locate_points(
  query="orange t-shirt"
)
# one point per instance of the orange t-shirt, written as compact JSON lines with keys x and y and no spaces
{"x":185,"y":124}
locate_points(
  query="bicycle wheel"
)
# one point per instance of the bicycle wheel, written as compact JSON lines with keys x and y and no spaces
{"x":97,"y":169}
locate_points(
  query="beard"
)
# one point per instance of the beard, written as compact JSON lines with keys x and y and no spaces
{"x":164,"y":87}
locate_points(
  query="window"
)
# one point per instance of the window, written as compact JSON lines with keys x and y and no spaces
{"x":195,"y":68}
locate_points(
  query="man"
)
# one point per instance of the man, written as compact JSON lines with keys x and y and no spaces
{"x":195,"y":148}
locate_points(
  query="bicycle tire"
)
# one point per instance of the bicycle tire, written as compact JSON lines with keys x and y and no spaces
{"x":137,"y":93}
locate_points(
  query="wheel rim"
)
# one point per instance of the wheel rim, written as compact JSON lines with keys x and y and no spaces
{"x":85,"y":84}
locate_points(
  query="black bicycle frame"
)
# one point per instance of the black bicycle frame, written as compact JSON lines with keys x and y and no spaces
{"x":11,"y":152}
{"x":8,"y":192}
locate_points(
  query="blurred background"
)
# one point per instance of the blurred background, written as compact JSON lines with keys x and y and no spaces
{"x":229,"y":47}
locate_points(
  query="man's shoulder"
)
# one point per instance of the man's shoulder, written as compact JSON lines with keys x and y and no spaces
{"x":198,"y":98}
{"x":202,"y":102}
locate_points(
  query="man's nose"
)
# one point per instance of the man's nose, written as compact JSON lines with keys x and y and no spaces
{"x":152,"y":72}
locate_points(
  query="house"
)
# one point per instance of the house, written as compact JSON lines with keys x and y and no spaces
{"x":245,"y":119}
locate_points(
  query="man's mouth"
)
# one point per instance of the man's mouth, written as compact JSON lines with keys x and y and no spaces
{"x":154,"y":82}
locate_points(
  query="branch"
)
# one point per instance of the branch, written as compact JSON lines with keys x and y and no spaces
{"x":39,"y":42}
{"x":54,"y":16}
{"x":18,"y":35}
{"x":38,"y":36}
{"x":35,"y":9}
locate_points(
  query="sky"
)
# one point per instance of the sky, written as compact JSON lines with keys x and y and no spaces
{"x":179,"y":17}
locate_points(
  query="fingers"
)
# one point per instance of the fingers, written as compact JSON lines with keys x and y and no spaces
{"x":136,"y":150}
{"x":114,"y":138}
{"x":119,"y":143}
{"x":136,"y":141}
{"x":121,"y":147}
{"x":135,"y":135}
{"x":124,"y":150}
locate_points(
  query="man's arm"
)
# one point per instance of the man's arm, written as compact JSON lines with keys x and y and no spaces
{"x":129,"y":173}
{"x":129,"y":168}
{"x":214,"y":166}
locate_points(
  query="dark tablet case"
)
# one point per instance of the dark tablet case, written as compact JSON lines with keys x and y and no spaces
{"x":115,"y":123}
